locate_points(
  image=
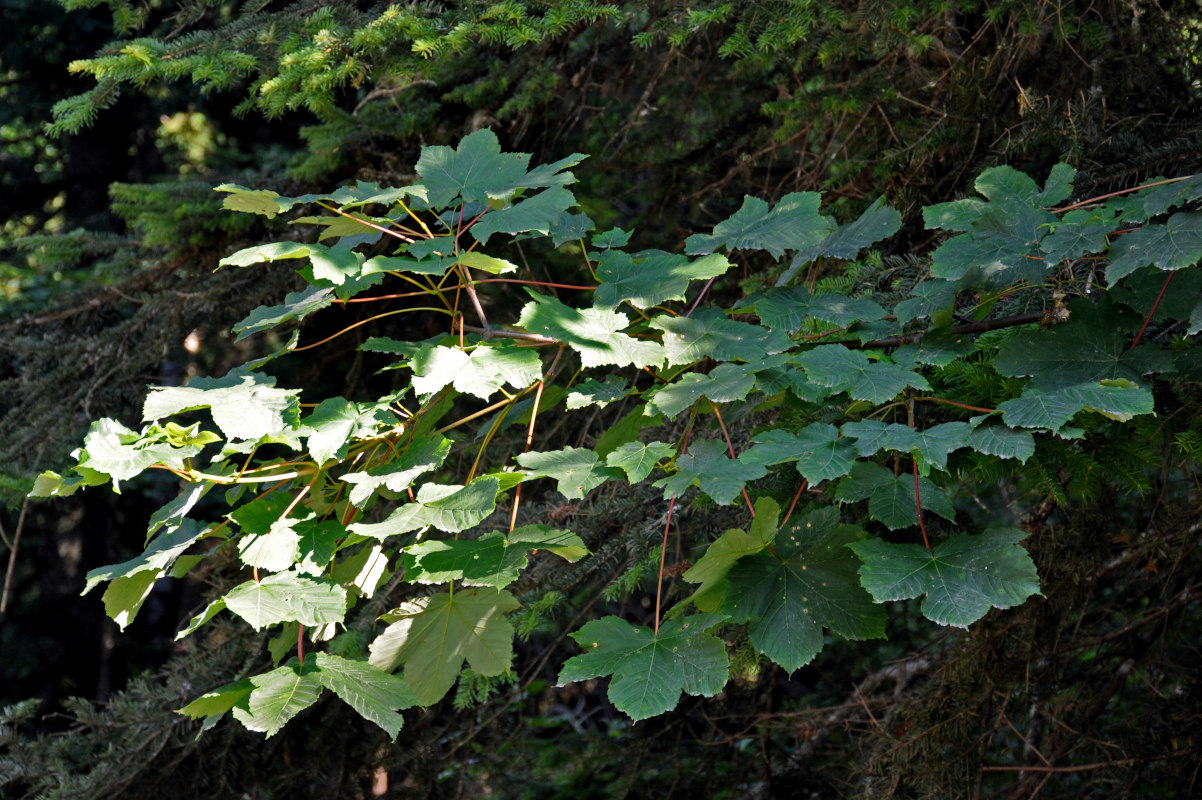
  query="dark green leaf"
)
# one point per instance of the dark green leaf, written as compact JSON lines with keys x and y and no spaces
{"x":637,"y":459}
{"x":709,"y":466}
{"x":492,"y":560}
{"x":891,"y":499}
{"x":962,"y":577}
{"x":809,"y":583}
{"x":836,"y":367}
{"x":819,"y":452}
{"x":1174,"y":245}
{"x":709,"y":334}
{"x":650,"y":670}
{"x":794,"y":224}
{"x":651,"y":277}
{"x":725,"y":384}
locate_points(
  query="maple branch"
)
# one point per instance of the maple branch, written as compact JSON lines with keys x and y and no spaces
{"x":972,"y":327}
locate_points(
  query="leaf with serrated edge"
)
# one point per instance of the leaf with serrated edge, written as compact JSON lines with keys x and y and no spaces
{"x":726,"y":383}
{"x":651,"y":277}
{"x":492,"y":560}
{"x":650,"y":670}
{"x":375,"y":694}
{"x":158,"y":556}
{"x":277,"y":697}
{"x":818,"y":450}
{"x":962,"y":577}
{"x":286,"y":597}
{"x":598,"y":393}
{"x":244,"y":406}
{"x":594,"y":333}
{"x":808,"y":583}
{"x":423,"y":454}
{"x":836,"y":367}
{"x":433,"y":636}
{"x":891,"y":498}
{"x":576,"y":470}
{"x":792,"y":225}
{"x":709,"y":334}
{"x":448,"y":508}
{"x":637,"y":459}
{"x":708,"y":466}
{"x":710,"y":570}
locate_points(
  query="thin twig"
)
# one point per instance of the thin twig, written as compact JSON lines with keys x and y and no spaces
{"x":12,"y":555}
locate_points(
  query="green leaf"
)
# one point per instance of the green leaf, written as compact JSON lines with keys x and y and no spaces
{"x":592,"y":332}
{"x":891,"y":498}
{"x":794,"y":224}
{"x":478,"y":172}
{"x":878,"y":222}
{"x":637,"y":459}
{"x":375,"y":694}
{"x":211,"y":610}
{"x":251,"y":201}
{"x":576,"y":470}
{"x":482,"y":373}
{"x":492,"y":560}
{"x":114,"y":450}
{"x":423,"y":454}
{"x":787,"y":309}
{"x":962,"y":577}
{"x":335,"y":422}
{"x":448,"y":508}
{"x":287,"y":597}
{"x":244,"y":406}
{"x":710,"y":570}
{"x":651,"y":277}
{"x":486,"y":263}
{"x":571,"y":228}
{"x":277,"y":697}
{"x":819,"y":452}
{"x":216,"y":703}
{"x":1091,"y":347}
{"x":709,"y":466}
{"x":726,"y":383}
{"x":274,"y":551}
{"x":598,"y":393}
{"x":1156,"y":200}
{"x":836,"y":367}
{"x":296,"y":306}
{"x":1003,"y":442}
{"x":709,"y":334}
{"x":1174,"y":245}
{"x":1079,"y":233}
{"x":433,"y":636}
{"x":404,"y":263}
{"x":809,"y":583}
{"x":334,"y":264}
{"x":125,"y":595}
{"x":626,"y":430}
{"x":157,"y":557}
{"x":650,"y":670}
{"x":614,"y":237}
{"x":1116,"y":399}
{"x":536,"y":214}
{"x":931,"y":444}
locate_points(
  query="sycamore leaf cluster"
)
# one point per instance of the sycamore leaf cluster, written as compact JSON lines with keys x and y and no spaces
{"x":369,"y":495}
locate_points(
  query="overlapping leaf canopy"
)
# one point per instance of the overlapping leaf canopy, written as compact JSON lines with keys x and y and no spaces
{"x":842,"y":394}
